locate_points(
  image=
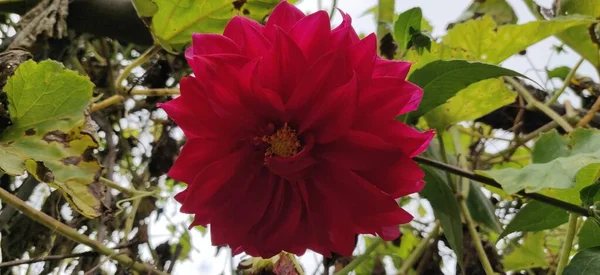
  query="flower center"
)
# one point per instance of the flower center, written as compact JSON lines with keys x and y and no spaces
{"x":283,"y":143}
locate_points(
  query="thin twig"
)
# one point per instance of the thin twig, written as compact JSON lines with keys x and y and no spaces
{"x":72,"y":234}
{"x":590,"y":114}
{"x":539,"y":105}
{"x":358,"y":260}
{"x":138,"y":61}
{"x":566,"y":83}
{"x":414,"y":256}
{"x":333,"y":7}
{"x":483,"y":258}
{"x":491,"y":182}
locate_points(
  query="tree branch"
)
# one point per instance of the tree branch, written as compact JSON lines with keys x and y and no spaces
{"x":73,"y":235}
{"x":491,"y":182}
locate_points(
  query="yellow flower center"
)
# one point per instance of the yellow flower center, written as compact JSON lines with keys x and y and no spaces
{"x":283,"y":143}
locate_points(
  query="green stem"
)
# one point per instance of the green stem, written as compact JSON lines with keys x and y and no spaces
{"x":483,"y":258}
{"x":416,"y":254}
{"x":385,"y":16}
{"x":333,"y":7}
{"x":565,"y":83}
{"x":565,"y":252}
{"x":463,"y":183}
{"x":73,"y":235}
{"x":445,"y":159}
{"x":138,"y":61}
{"x":539,"y":105}
{"x":358,"y":260}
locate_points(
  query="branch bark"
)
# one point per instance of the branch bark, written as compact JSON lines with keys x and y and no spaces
{"x":116,"y":19}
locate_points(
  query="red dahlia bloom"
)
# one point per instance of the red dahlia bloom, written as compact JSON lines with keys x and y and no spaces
{"x":292,"y":142}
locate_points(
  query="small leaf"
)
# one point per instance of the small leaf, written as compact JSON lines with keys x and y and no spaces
{"x":559,"y":72}
{"x":482,"y":209}
{"x":590,"y":195}
{"x":586,"y":261}
{"x":145,"y":8}
{"x":445,"y":208}
{"x":589,"y":235}
{"x":442,"y":80}
{"x":481,"y":36}
{"x":50,"y":136}
{"x":470,"y":103}
{"x":536,"y":216}
{"x":528,"y":255}
{"x":407,"y":24}
{"x":557,"y":162}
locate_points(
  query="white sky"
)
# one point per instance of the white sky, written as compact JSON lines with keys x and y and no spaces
{"x":439,"y":13}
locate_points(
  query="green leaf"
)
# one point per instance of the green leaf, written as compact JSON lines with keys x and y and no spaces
{"x":559,"y":72}
{"x":536,"y":216}
{"x":475,"y":101}
{"x":145,"y":8}
{"x":481,"y":36}
{"x":589,"y":235}
{"x":481,"y":209}
{"x":578,"y":38}
{"x":445,"y":208}
{"x":528,"y":255}
{"x":586,"y":261}
{"x":175,"y":21}
{"x":408,"y":23}
{"x":50,"y":136}
{"x":442,"y":80}
{"x":557,"y":161}
{"x":590,"y":195}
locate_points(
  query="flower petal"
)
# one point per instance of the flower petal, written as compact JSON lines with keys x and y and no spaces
{"x":387,"y":97}
{"x":362,"y":56}
{"x":247,"y":34}
{"x":343,"y":35}
{"x":266,"y":102}
{"x":311,"y":33}
{"x":404,"y":177}
{"x":391,"y":68}
{"x":198,"y":153}
{"x":284,"y":16}
{"x":409,"y":140}
{"x":283,"y":66}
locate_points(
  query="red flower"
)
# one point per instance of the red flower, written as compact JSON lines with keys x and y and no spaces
{"x":292,"y":142}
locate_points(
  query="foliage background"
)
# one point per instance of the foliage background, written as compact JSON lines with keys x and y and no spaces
{"x":139,"y":136}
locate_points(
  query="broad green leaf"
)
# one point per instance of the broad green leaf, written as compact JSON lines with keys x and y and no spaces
{"x":589,"y":235}
{"x":407,"y":24}
{"x":482,"y":210}
{"x":437,"y":52}
{"x":586,"y":261}
{"x":528,"y":255}
{"x":476,"y":100}
{"x":578,"y":37}
{"x":580,"y":149}
{"x":445,"y":208}
{"x":481,"y":36}
{"x":442,"y":80}
{"x":50,"y":137}
{"x":176,"y":20}
{"x":145,"y":8}
{"x":536,"y":216}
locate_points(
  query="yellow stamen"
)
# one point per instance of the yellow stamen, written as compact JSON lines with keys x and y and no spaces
{"x":284,"y":142}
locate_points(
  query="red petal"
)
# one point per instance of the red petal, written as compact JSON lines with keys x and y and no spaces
{"x":362,"y":58}
{"x":311,"y":33}
{"x":196,"y":154}
{"x":409,"y":140}
{"x":284,"y":16}
{"x":205,"y":43}
{"x":194,"y":115}
{"x":343,"y":35}
{"x":333,"y":114}
{"x":209,"y":181}
{"x":247,"y":34}
{"x":263,"y":101}
{"x":402,"y":178}
{"x":387,"y":97}
{"x":282,"y":67}
{"x":391,"y":68}
{"x":359,"y":151}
